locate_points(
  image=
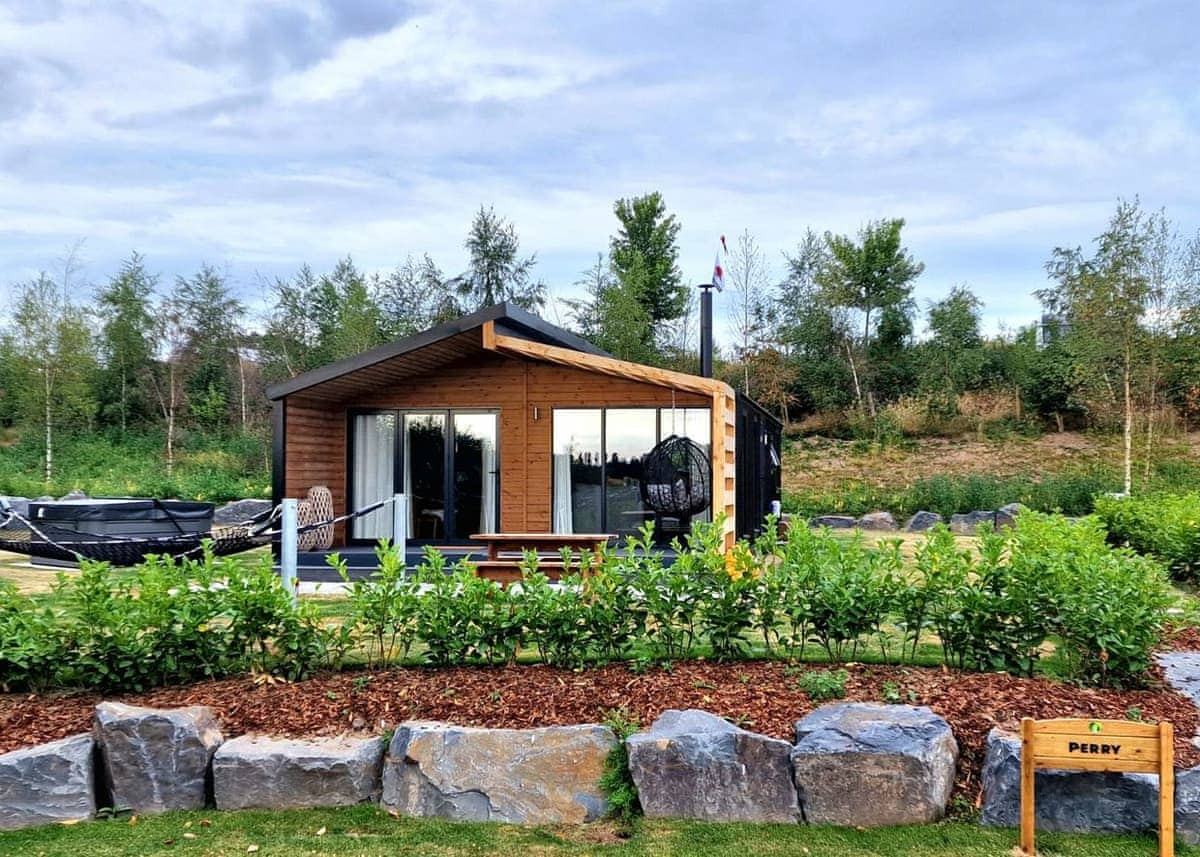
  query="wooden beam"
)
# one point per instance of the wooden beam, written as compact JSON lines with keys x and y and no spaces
{"x":609,"y":366}
{"x":489,"y":335}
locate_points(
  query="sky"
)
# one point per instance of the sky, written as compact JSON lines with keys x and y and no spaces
{"x":258,"y":136}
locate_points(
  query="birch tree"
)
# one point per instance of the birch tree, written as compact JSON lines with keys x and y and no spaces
{"x":52,"y":345}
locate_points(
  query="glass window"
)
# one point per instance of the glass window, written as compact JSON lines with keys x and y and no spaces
{"x":694,"y":424}
{"x":630,"y":433}
{"x":578,"y":460}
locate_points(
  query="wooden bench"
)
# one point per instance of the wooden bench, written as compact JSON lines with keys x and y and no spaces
{"x":506,"y":553}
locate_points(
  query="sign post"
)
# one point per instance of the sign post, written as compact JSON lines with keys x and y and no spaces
{"x":1099,"y":745}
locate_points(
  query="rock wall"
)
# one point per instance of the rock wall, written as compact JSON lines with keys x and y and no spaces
{"x":851,"y":764}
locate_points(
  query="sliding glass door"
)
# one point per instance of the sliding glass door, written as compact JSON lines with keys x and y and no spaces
{"x":445,"y":461}
{"x":598,"y":466}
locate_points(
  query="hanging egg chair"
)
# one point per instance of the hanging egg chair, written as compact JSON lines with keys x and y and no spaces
{"x":677,"y":478}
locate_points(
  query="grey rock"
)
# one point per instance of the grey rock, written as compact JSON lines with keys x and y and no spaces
{"x":1182,"y":672}
{"x":20,"y":505}
{"x":277,"y":773}
{"x":1067,"y":801}
{"x":692,"y":764}
{"x":240,"y":511}
{"x":156,"y":759}
{"x":834,"y":522}
{"x":520,"y":776}
{"x":74,"y":495}
{"x":922,"y":521}
{"x":45,"y":498}
{"x":862,"y":764}
{"x":1006,"y":516}
{"x":877,"y":521}
{"x":52,"y":782}
{"x":968,"y":524}
{"x":1187,"y":807}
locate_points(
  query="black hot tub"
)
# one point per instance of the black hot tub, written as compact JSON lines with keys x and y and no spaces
{"x":122,"y":517}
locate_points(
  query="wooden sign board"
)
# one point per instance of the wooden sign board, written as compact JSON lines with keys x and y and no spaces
{"x":1099,"y":745}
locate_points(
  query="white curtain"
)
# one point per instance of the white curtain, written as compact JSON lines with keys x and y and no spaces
{"x":407,"y":461}
{"x":487,"y":506}
{"x":374,"y":464}
{"x":563,"y":516}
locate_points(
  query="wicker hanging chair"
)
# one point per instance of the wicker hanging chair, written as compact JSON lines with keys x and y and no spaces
{"x":677,"y":478}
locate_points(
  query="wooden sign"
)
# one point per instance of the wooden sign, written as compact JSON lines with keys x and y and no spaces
{"x":1099,"y":745}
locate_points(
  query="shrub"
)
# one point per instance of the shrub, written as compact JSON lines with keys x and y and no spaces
{"x":616,"y":783}
{"x":1166,"y":526}
{"x":823,"y":685}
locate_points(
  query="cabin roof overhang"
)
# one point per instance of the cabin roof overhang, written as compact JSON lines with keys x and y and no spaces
{"x":426,"y":351}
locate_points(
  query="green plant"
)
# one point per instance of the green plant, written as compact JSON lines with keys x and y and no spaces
{"x":822,"y":685}
{"x":616,"y":783}
{"x":1166,"y":526}
{"x":383,"y":605}
{"x":891,"y":692}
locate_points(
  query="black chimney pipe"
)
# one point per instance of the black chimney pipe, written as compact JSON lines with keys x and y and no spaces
{"x":706,"y":331}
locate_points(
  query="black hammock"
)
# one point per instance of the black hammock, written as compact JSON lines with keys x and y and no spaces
{"x":19,"y":535}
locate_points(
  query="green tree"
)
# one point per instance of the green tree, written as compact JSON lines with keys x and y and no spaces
{"x":167,"y":374}
{"x":1104,"y":298}
{"x":613,"y":316}
{"x":868,"y":275}
{"x":954,"y":356}
{"x":645,"y":254}
{"x":54,"y":357}
{"x":346,"y":315}
{"x":497,"y":273}
{"x":415,"y":297}
{"x":816,"y":333}
{"x":213,"y":318}
{"x":126,"y":346}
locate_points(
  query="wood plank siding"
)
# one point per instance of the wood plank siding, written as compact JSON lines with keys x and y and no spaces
{"x":524,"y":391}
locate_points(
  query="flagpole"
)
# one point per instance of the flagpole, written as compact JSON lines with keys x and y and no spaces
{"x":706,"y":331}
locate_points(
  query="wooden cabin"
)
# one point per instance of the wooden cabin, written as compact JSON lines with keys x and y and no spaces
{"x":501,"y":422}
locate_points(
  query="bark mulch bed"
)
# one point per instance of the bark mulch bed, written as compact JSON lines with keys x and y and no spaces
{"x":762,"y":696}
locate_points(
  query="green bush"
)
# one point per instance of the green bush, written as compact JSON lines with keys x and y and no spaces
{"x":824,"y":685}
{"x":165,"y":622}
{"x":1166,"y":526}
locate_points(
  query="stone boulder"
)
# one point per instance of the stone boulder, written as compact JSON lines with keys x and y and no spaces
{"x":240,"y":511}
{"x":868,"y":765}
{"x":692,"y":764}
{"x":156,"y":759}
{"x":1006,"y":516}
{"x":834,"y":522}
{"x":74,"y":494}
{"x":922,"y":521}
{"x":52,"y":782}
{"x":277,"y":773}
{"x":968,"y":524}
{"x":1187,"y":807}
{"x":1067,"y":801}
{"x":520,"y":776}
{"x":877,"y":521}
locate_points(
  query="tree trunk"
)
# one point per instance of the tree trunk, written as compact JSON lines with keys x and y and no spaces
{"x":242,"y":379}
{"x":858,"y":398}
{"x":49,"y":428}
{"x":124,"y":407}
{"x":171,"y":426}
{"x":1128,"y":421}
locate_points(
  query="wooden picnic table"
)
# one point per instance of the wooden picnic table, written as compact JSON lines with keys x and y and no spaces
{"x":498,"y":543}
{"x":505,"y":553}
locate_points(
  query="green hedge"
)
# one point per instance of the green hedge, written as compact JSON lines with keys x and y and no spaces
{"x":1166,"y":526}
{"x":993,"y":608}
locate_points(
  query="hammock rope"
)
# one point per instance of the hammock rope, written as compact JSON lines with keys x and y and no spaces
{"x":20,"y":535}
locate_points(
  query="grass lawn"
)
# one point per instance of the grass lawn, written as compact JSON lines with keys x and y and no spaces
{"x":369,"y":831}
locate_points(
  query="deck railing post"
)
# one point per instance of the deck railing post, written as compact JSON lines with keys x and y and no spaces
{"x":400,"y":524}
{"x":288,"y":538}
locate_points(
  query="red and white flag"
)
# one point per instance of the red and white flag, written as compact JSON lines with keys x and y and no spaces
{"x":718,"y":279}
